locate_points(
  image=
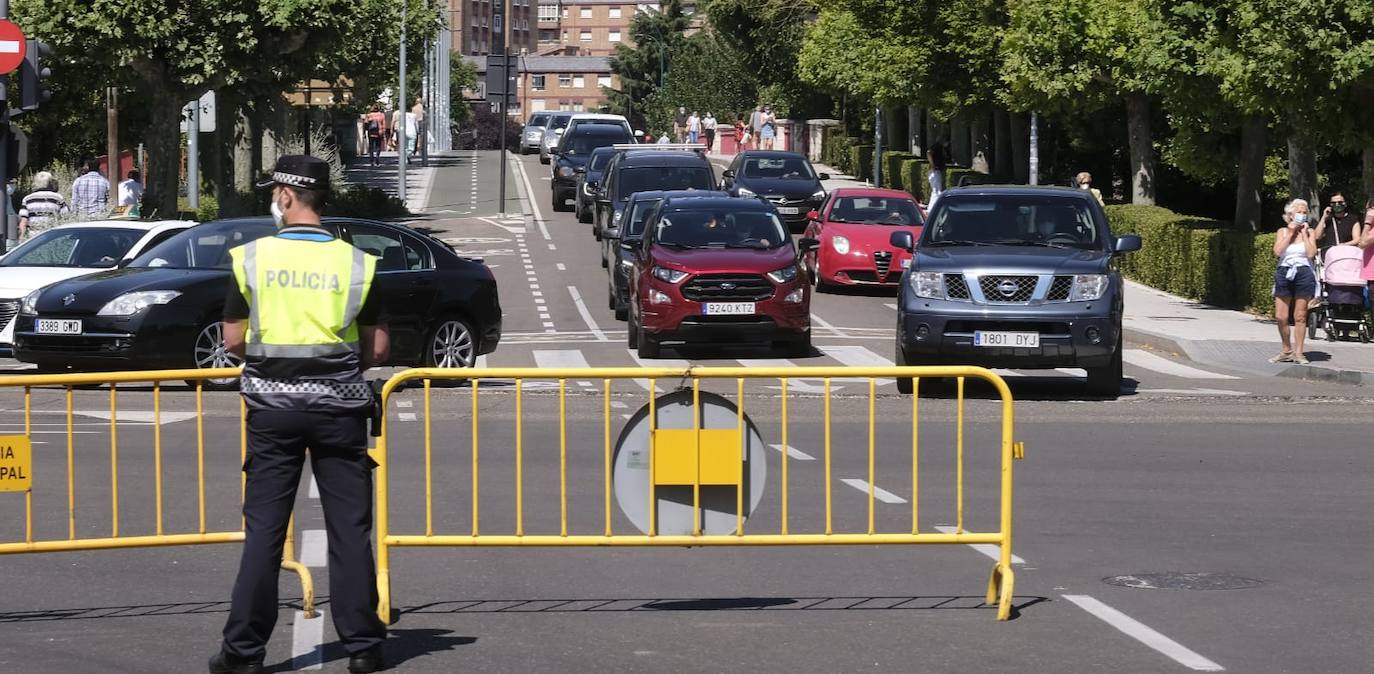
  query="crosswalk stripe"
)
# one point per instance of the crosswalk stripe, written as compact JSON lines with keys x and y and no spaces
{"x":1163,"y":365}
{"x":560,"y":359}
{"x":655,"y":362}
{"x":794,"y":453}
{"x":878,"y":492}
{"x":855,"y":356}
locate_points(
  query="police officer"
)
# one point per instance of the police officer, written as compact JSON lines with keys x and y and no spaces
{"x":301,"y":312}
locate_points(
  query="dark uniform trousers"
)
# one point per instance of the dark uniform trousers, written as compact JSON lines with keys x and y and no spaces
{"x":277,"y":443}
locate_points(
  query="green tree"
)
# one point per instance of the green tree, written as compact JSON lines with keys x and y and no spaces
{"x":643,"y":65}
{"x":707,"y":76}
{"x":765,"y":34}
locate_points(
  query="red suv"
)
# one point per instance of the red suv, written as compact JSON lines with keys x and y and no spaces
{"x":717,"y":269}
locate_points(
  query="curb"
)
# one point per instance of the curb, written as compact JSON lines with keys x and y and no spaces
{"x":1295,"y":371}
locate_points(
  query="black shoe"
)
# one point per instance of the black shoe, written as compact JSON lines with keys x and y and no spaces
{"x":223,"y":663}
{"x":366,"y":662}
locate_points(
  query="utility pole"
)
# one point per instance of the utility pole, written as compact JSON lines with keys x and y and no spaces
{"x":112,"y":141}
{"x":502,"y":49}
{"x":878,"y":147}
{"x":11,"y":233}
{"x":401,"y":107}
{"x":1035,"y":149}
{"x":193,"y":156}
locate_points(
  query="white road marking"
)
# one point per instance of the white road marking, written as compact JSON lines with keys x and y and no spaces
{"x":655,"y":362}
{"x":534,"y":203}
{"x":537,"y":294}
{"x":1008,"y":373}
{"x":1163,"y":365}
{"x":137,"y":416}
{"x":987,"y":549}
{"x":561,"y":266}
{"x":314,"y":488}
{"x":481,"y":361}
{"x":405,"y":403}
{"x":586,"y":315}
{"x":553,"y":247}
{"x":406,"y":416}
{"x":619,"y":405}
{"x":1193,"y":391}
{"x":891,"y":306}
{"x":878,"y":492}
{"x":314,"y":548}
{"x":560,"y":360}
{"x":795,"y":385}
{"x":626,"y":416}
{"x":1144,"y":634}
{"x":1072,"y":371}
{"x":824,"y":324}
{"x":306,"y":639}
{"x":855,"y":356}
{"x":793,"y":452}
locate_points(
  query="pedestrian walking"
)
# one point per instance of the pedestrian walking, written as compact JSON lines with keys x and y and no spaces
{"x":708,"y":126}
{"x":937,"y":158}
{"x":299,"y":310}
{"x":679,"y":124}
{"x":1338,"y":224}
{"x":1294,"y":282}
{"x":90,"y":192}
{"x":41,"y":208}
{"x":741,"y":133}
{"x":756,"y":123}
{"x":768,"y":128}
{"x":131,"y":192}
{"x":693,"y":128}
{"x":397,"y":119}
{"x":1084,"y":180}
{"x":418,"y":111}
{"x":374,"y":126}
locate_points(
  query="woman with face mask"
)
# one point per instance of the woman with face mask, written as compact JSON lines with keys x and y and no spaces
{"x":1084,"y":181}
{"x":1294,"y":281}
{"x":1339,"y":224}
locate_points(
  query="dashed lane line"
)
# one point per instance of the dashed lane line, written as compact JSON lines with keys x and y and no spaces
{"x":314,"y":548}
{"x":986,"y":549}
{"x":878,"y":492}
{"x":794,"y":453}
{"x":533,"y":202}
{"x":586,"y":315}
{"x":1144,"y":634}
{"x":307,"y":637}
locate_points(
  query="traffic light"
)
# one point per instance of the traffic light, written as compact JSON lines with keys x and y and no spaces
{"x":17,"y":152}
{"x":33,"y":91}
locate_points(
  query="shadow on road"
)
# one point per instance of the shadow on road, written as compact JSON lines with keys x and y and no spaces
{"x":400,"y":647}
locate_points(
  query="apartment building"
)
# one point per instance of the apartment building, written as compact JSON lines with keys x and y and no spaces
{"x":558,"y":83}
{"x":586,"y":27}
{"x":473,"y":27}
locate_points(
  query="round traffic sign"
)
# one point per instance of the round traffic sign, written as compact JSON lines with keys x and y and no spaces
{"x":12,"y":46}
{"x":631,"y":471}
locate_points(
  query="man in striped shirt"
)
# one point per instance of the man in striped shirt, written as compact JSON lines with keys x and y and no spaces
{"x":91,"y":192}
{"x":41,"y":207}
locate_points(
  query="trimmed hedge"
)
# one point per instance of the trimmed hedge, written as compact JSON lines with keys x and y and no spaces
{"x":912,"y":173}
{"x":861,"y":162}
{"x":1197,"y":258}
{"x":835,"y":149}
{"x":892,"y":168}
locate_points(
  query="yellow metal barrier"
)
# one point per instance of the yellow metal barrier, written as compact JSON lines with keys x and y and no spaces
{"x":692,"y":457}
{"x":158,"y":536}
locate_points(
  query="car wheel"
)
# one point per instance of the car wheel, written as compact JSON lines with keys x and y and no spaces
{"x":543,"y":159}
{"x":648,"y":344}
{"x":798,"y":347}
{"x":632,"y":332}
{"x":817,"y":278}
{"x":1105,"y":381}
{"x":451,"y":345}
{"x":584,"y":216}
{"x":209,"y":351}
{"x":559,"y":202}
{"x":904,"y":384}
{"x":610,"y":296}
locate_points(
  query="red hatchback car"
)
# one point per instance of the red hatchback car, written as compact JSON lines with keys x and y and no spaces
{"x":722,"y":270}
{"x":854,"y":227}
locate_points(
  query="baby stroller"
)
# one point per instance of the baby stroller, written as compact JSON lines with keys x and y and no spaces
{"x":1342,"y":313}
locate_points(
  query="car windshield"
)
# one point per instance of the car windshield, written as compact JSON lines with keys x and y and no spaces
{"x":721,"y":228}
{"x":539,"y":120}
{"x":1013,"y":220}
{"x":777,"y":168}
{"x":75,"y":247}
{"x":204,"y":246}
{"x":559,"y":122}
{"x":638,"y":212}
{"x":598,"y":160}
{"x":583,"y":142}
{"x":875,"y":211}
{"x":665,"y":178}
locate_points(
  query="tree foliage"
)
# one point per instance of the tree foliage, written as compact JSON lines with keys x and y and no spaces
{"x":707,"y":76}
{"x":657,"y":38}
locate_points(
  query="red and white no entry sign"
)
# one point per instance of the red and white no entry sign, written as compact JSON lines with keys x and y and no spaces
{"x":12,"y":46}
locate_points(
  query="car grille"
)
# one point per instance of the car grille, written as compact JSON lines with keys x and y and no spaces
{"x":956,"y":288}
{"x":784,"y":201}
{"x":1060,"y":289}
{"x":1021,"y":289}
{"x":1046,"y":329}
{"x":718,"y":287}
{"x":7,"y":311}
{"x":882,"y":261}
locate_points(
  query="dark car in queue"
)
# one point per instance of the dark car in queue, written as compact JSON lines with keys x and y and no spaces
{"x":589,"y":181}
{"x":570,"y":157}
{"x":784,"y":179}
{"x":716,"y":269}
{"x":640,"y":170}
{"x":1014,"y":277}
{"x":164,"y":310}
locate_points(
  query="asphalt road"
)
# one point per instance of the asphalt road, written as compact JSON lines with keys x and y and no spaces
{"x":1192,"y":470}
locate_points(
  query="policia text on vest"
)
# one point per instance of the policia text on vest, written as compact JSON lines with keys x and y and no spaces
{"x":294,"y":278}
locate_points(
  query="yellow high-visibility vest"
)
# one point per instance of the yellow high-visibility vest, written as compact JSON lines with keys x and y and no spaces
{"x":304,"y":295}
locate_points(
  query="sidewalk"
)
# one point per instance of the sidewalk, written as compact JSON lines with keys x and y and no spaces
{"x":1237,"y":340}
{"x":419,"y":178}
{"x":837,"y":180}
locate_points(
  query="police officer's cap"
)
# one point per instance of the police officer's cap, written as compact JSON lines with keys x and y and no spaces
{"x":300,"y":171}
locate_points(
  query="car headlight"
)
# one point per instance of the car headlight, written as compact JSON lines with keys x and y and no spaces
{"x":1088,"y":287}
{"x":788,"y":273}
{"x":929,"y":284}
{"x":746,"y":192}
{"x":566,"y":172}
{"x":657,"y":297}
{"x":669,"y":275}
{"x":29,"y":305}
{"x":819,"y":196}
{"x":587,"y":190}
{"x":615,"y":218}
{"x":840,"y":244}
{"x":626,"y":262}
{"x":129,"y":304}
{"x":796,"y":296}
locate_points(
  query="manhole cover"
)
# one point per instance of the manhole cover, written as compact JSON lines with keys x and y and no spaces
{"x":1184,"y":581}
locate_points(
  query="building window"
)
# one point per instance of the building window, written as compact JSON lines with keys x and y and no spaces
{"x":585,"y":13}
{"x":577,"y":107}
{"x":579,"y":82}
{"x":565,"y":81}
{"x":537,"y":82}
{"x":565,"y":106}
{"x":603,"y":80}
{"x":585,"y":36}
{"x":548,"y":12}
{"x":536,"y":104}
{"x":565,"y":37}
{"x":565,"y":12}
{"x":615,"y":12}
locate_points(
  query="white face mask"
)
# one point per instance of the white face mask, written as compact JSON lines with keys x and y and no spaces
{"x":1299,"y":218}
{"x":1084,"y":186}
{"x":277,"y":215}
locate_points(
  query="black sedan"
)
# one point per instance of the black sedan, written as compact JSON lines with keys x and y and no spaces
{"x":589,"y":180}
{"x":163,"y":310}
{"x":786,"y":179}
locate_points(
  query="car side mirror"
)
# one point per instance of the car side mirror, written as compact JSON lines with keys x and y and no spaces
{"x":902,"y":240}
{"x":580,"y":170}
{"x":628,"y":246}
{"x":639,"y":133}
{"x":1126,"y":244}
{"x":823,"y":176}
{"x":592,"y":185}
{"x":727,"y":174}
{"x":808,"y":245}
{"x":813,"y":214}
